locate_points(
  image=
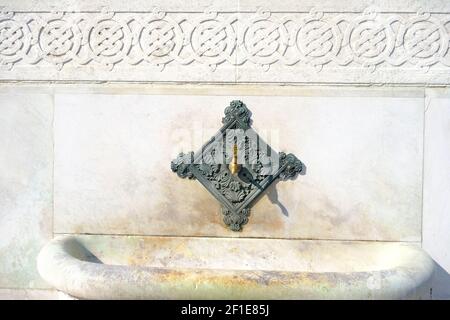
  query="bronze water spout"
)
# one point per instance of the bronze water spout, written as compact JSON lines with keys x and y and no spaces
{"x":234,"y":166}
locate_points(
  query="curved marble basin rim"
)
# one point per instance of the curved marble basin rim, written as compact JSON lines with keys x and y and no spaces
{"x":143,"y":268}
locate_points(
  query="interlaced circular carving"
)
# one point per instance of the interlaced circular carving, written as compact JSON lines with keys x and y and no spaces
{"x":110,"y":41}
{"x":370,"y":41}
{"x":209,"y":39}
{"x":157,"y":38}
{"x":15,"y":41}
{"x":314,"y":39}
{"x":161,"y":39}
{"x":212,"y":39}
{"x":264,"y":40}
{"x":318,"y":40}
{"x":425,"y":41}
{"x":59,"y":41}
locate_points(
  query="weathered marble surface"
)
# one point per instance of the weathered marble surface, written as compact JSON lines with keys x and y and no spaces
{"x":362,"y":149}
{"x":26,"y":170}
{"x":103,"y":267}
{"x":436,"y":193}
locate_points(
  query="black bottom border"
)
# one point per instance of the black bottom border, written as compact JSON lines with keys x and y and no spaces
{"x":213,"y":309}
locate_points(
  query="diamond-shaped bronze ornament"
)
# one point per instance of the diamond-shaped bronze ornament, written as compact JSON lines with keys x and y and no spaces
{"x":259,"y":165}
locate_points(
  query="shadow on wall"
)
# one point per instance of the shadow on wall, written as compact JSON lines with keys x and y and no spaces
{"x":440,"y":283}
{"x":272,"y":193}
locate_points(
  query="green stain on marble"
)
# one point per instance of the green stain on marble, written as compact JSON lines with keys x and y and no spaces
{"x":18,"y":265}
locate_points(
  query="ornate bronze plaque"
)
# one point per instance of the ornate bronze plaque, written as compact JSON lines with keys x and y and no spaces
{"x":236,"y":165}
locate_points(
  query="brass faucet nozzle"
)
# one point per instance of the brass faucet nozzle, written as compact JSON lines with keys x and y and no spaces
{"x":234,"y":166}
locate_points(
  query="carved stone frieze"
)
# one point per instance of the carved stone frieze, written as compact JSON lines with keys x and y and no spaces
{"x":106,"y":40}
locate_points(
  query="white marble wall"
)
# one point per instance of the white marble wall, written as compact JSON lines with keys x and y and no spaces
{"x":105,"y":167}
{"x":26,"y":185}
{"x":436,"y":192}
{"x":363,"y":153}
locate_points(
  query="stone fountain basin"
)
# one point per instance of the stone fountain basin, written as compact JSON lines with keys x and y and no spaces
{"x":133,"y":267}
